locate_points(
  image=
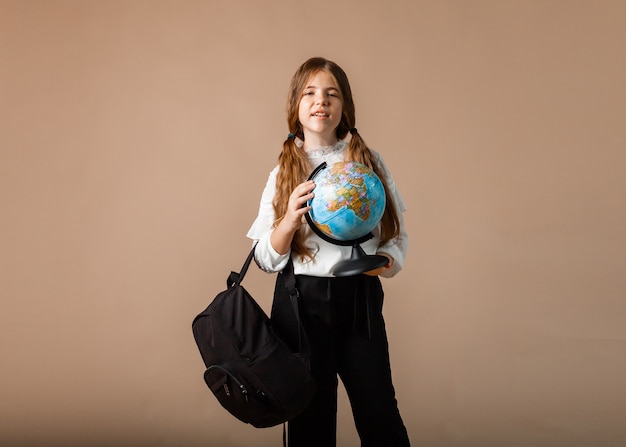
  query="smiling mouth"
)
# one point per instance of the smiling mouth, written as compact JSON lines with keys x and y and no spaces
{"x":320,"y":114}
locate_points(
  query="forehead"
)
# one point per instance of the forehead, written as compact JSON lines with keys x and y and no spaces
{"x":321,"y":79}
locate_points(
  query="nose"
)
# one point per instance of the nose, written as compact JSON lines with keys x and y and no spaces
{"x":321,"y":98}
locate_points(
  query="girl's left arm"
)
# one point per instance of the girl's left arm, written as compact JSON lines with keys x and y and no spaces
{"x":396,"y":249}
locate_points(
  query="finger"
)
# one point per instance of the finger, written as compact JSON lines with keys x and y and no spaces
{"x":299,"y":192}
{"x":306,"y":187}
{"x":303,"y":200}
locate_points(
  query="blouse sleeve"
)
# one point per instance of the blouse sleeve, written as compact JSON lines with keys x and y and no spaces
{"x":398,"y":247}
{"x":266,"y":257}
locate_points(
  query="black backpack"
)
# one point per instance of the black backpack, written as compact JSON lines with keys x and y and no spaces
{"x":253,"y":373}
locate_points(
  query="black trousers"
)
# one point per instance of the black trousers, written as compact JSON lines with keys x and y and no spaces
{"x":346,"y":332}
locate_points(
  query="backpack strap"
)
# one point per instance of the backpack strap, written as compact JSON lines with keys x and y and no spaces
{"x":290,"y":279}
{"x":294,"y":296}
{"x":234,"y":279}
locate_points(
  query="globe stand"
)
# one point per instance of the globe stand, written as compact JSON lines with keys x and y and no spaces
{"x":359,"y":261}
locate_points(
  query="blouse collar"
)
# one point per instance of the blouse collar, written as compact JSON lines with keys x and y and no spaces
{"x":324,"y":151}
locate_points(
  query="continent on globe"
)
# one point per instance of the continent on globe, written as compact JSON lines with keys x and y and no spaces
{"x":354,"y":199}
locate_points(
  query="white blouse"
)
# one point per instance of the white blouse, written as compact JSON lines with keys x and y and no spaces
{"x":327,"y":255}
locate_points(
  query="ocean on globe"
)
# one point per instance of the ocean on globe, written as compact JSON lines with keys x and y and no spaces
{"x":349,"y":201}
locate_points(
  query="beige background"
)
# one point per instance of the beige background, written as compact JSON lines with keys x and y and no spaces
{"x":136,"y":137}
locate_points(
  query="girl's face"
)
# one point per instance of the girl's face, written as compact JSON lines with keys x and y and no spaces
{"x":320,"y":109}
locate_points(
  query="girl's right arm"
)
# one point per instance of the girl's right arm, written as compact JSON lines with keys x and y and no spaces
{"x":266,"y":236}
{"x":283,"y":234}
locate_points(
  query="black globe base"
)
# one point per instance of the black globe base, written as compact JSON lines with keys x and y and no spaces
{"x":359,"y":262}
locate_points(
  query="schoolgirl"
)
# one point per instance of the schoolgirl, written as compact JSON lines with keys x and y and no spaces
{"x":342,"y":315}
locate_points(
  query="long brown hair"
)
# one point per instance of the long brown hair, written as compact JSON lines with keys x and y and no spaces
{"x":294,"y":166}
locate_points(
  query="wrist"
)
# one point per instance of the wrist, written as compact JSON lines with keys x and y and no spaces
{"x":390,"y":260}
{"x":281,"y":238}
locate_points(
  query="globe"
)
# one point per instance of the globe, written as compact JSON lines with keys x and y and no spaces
{"x":348,"y":204}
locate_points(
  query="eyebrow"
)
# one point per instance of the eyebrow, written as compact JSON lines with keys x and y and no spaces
{"x":328,"y":88}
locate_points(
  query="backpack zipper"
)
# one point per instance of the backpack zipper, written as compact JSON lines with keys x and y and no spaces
{"x":240,"y":385}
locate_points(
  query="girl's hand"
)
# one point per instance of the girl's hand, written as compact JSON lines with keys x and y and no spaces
{"x":296,"y":209}
{"x":380,"y":270}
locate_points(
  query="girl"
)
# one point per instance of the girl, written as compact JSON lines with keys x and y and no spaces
{"x":342,"y":315}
